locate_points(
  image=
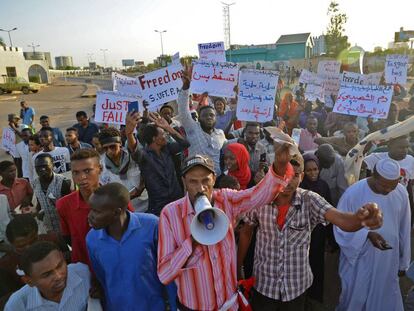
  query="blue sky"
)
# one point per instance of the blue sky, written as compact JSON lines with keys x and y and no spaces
{"x":126,"y":27}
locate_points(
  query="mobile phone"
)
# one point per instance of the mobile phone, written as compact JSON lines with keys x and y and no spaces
{"x":263,"y":157}
{"x":133,"y":107}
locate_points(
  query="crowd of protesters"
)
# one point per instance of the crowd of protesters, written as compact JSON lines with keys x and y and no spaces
{"x":98,"y":216}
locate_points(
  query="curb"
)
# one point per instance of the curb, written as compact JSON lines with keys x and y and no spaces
{"x":90,"y":90}
{"x":7,"y":98}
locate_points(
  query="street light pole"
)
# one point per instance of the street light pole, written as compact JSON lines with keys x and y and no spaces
{"x":104,"y":55}
{"x":9,"y":31}
{"x":33,"y":46}
{"x":162,"y":46}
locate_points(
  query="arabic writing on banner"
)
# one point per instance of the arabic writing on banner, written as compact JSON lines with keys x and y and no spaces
{"x":125,"y":84}
{"x":331,"y":84}
{"x":112,"y":107}
{"x":217,"y":79}
{"x":8,"y":141}
{"x":257,"y":91}
{"x":364,"y":100}
{"x":161,"y":86}
{"x":354,"y":78}
{"x":213,"y":51}
{"x":314,"y":89}
{"x":328,"y":67}
{"x":306,"y":76}
{"x":396,"y":67}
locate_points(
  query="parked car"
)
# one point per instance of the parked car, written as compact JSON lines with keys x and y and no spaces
{"x":10,"y":84}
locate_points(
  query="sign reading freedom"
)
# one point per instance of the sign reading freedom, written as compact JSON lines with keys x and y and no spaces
{"x":161,"y":86}
{"x":364,"y":100}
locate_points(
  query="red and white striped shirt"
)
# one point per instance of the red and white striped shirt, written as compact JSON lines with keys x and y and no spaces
{"x":206,"y":276}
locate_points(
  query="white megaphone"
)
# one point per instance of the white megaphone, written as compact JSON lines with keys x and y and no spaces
{"x":210,"y":224}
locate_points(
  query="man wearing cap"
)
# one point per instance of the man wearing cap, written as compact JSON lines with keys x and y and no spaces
{"x":281,"y":264}
{"x":372,"y":261}
{"x":206,"y":275}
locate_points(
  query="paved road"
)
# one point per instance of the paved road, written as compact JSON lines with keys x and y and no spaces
{"x":60,"y":103}
{"x":105,"y":84}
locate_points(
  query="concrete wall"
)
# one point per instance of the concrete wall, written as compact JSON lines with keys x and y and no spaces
{"x":13,"y":57}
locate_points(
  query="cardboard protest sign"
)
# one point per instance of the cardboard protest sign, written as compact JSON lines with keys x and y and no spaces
{"x":213,"y":51}
{"x":314,"y":89}
{"x":257,"y":91}
{"x":306,"y":76}
{"x":161,"y":86}
{"x":176,"y":59}
{"x":354,"y":78}
{"x":8,"y":141}
{"x":113,"y":107}
{"x":217,"y":79}
{"x":328,"y":67}
{"x":125,"y":84}
{"x":331,"y":84}
{"x":396,"y":67}
{"x":364,"y":100}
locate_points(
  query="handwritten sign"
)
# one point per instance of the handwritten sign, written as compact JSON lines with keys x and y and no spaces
{"x":257,"y":91}
{"x":331,"y":84}
{"x":213,"y":51}
{"x":8,"y":141}
{"x":217,"y":79}
{"x":364,"y":100}
{"x":328,"y":67}
{"x":161,"y":86}
{"x":176,"y":59}
{"x":125,"y":84}
{"x":315,"y":89}
{"x":306,"y":76}
{"x":354,"y":78}
{"x":396,"y":67}
{"x":112,"y":107}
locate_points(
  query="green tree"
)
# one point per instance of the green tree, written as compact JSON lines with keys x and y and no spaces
{"x":336,"y":41}
{"x":2,"y":43}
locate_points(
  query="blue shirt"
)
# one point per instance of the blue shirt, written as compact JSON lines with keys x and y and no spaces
{"x":27,"y":115}
{"x":86,"y":133}
{"x":74,"y":298}
{"x":127,"y":269}
{"x":58,"y":139}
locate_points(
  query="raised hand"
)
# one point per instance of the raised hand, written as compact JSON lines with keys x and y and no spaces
{"x":370,"y":216}
{"x":131,"y":121}
{"x":158,"y":120}
{"x":186,"y":76}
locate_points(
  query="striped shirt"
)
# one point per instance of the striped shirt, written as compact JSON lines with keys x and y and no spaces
{"x":206,"y":276}
{"x":201,"y":142}
{"x":281,"y":259}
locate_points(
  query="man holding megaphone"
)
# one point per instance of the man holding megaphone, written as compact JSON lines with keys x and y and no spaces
{"x":196,"y":246}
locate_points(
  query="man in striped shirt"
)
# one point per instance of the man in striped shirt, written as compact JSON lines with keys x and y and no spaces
{"x":206,"y":275}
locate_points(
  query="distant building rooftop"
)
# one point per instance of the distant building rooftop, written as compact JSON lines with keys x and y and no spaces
{"x":293,"y":38}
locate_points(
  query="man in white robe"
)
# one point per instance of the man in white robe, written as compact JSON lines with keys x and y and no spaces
{"x":372,"y":260}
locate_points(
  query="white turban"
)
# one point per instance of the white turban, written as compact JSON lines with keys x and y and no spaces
{"x":388,"y":168}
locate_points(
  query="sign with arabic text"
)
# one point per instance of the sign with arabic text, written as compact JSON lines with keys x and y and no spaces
{"x":396,"y":67}
{"x":125,"y":84}
{"x":217,"y":79}
{"x":306,"y":76}
{"x":8,"y":141}
{"x":112,"y":107}
{"x":257,"y":91}
{"x":161,"y":86}
{"x":315,"y":89}
{"x":354,"y":78}
{"x":331,"y":84}
{"x":364,"y":100}
{"x":328,"y":67}
{"x":213,"y":51}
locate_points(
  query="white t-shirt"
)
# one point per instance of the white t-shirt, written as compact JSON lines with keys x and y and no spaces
{"x":61,"y":159}
{"x":22,"y":151}
{"x":406,"y":165}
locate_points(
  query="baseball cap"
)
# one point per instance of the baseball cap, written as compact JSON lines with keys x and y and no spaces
{"x":196,"y":160}
{"x":13,"y":116}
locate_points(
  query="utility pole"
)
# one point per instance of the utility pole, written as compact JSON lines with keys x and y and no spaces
{"x":226,"y":20}
{"x":162,"y":46}
{"x":9,"y":31}
{"x":104,"y":56}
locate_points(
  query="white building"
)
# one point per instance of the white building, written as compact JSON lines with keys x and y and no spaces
{"x":14,"y":64}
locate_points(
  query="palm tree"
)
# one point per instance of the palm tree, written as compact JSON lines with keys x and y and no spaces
{"x":2,"y":43}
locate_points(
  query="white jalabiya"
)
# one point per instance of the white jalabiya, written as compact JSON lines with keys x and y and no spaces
{"x":369,"y":276}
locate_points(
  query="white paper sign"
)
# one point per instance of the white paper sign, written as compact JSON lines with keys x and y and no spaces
{"x":354,"y":78}
{"x":176,"y":59}
{"x":306,"y":76}
{"x":213,"y":51}
{"x":112,"y":107}
{"x":314,"y":89}
{"x":364,"y":100}
{"x":257,"y":91}
{"x":331,"y":84}
{"x":161,"y":86}
{"x":396,"y":67}
{"x":125,"y":84}
{"x":217,"y":79}
{"x":8,"y":141}
{"x":329,"y":67}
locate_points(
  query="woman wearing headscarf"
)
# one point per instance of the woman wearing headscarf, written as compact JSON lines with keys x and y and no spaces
{"x":236,"y":161}
{"x":289,"y":111}
{"x":312,"y":182}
